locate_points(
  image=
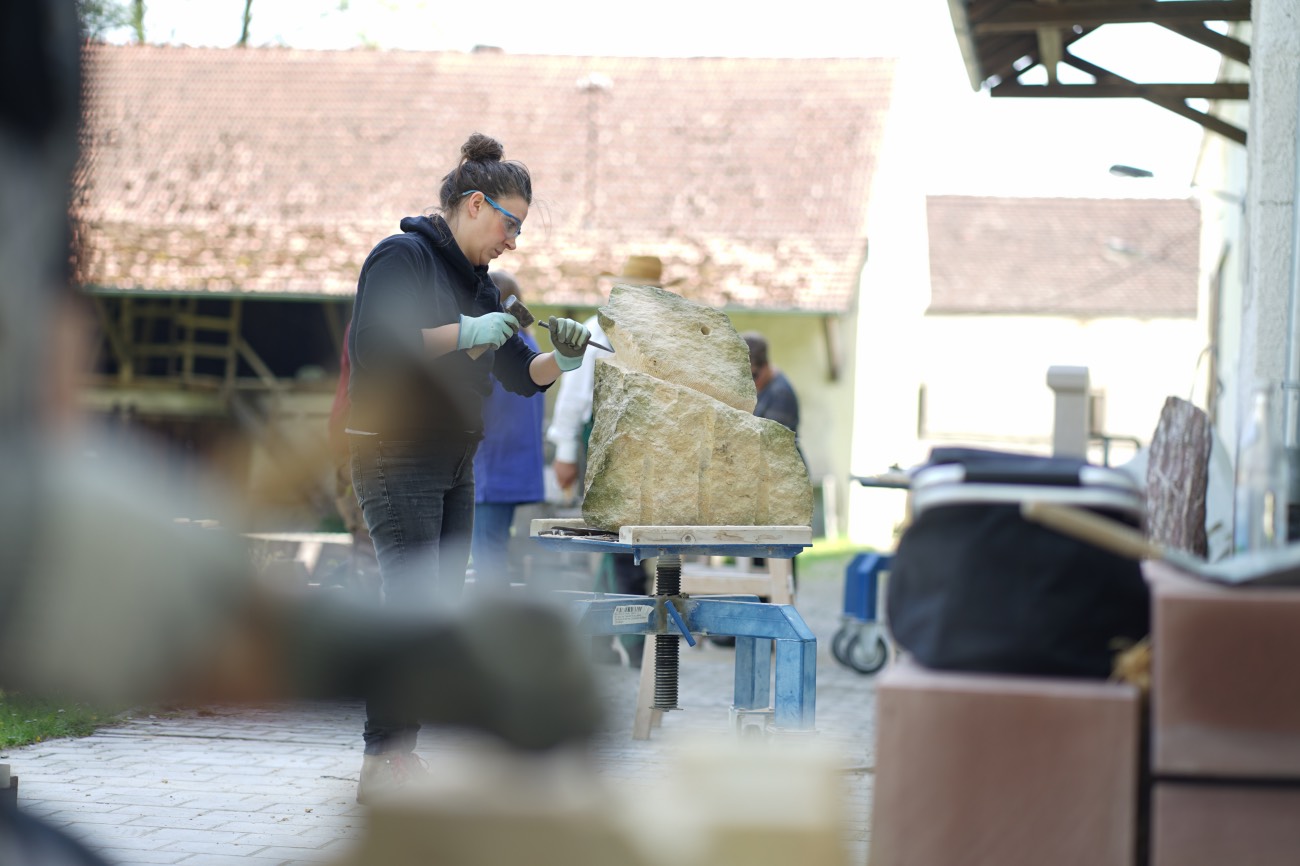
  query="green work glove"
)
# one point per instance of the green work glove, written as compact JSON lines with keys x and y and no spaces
{"x":490,"y":329}
{"x":570,"y":341}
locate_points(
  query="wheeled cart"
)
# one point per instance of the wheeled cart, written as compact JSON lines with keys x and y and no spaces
{"x":861,"y":641}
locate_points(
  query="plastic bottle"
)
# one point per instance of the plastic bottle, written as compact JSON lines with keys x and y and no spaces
{"x":1260,"y":513}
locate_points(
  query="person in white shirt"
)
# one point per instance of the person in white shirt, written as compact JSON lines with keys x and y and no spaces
{"x":571,"y":416}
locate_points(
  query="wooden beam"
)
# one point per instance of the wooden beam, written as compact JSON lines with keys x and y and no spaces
{"x":1177,"y":106}
{"x":259,"y":366}
{"x":1128,"y":89}
{"x":206,"y":323}
{"x":174,"y":337}
{"x":116,"y":344}
{"x":186,"y":333}
{"x":834,"y":347}
{"x":172,"y":401}
{"x":126,"y":372}
{"x":1233,"y":49}
{"x":1027,"y":15}
{"x":957,"y":12}
{"x":236,"y":341}
{"x":999,"y":57}
{"x":1050,"y":47}
{"x":1000,"y":60}
{"x":647,"y":535}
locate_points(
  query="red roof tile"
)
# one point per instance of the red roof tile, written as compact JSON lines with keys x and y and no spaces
{"x":1059,"y":256}
{"x":276,"y":170}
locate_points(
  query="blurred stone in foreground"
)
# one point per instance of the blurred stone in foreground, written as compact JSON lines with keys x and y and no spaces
{"x":717,"y":803}
{"x":120,"y":595}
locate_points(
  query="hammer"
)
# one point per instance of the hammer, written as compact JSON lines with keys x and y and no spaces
{"x":516,"y":308}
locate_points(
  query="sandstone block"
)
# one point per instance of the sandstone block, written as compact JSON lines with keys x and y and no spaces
{"x":985,"y":770}
{"x":668,"y":337}
{"x":1225,"y":685}
{"x":665,"y":455}
{"x":674,"y":440}
{"x":1212,"y":825}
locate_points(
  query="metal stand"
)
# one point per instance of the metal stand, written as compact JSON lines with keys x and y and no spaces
{"x":670,"y":616}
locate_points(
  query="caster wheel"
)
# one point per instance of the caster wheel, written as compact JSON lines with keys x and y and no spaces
{"x":840,"y":644}
{"x":867,"y":657}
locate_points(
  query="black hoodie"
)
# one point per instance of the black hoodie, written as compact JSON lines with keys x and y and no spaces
{"x":411,"y":281}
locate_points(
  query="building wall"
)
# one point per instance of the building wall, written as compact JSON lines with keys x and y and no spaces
{"x":981,"y":381}
{"x":1220,"y":183}
{"x":986,"y":376}
{"x":892,"y":298}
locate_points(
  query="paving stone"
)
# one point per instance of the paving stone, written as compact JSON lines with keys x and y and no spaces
{"x":275,"y":784}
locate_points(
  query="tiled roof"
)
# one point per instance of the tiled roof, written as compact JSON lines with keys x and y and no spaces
{"x":276,"y":170}
{"x":1064,"y":256}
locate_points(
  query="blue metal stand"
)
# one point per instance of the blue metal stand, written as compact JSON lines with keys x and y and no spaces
{"x":669,"y":616}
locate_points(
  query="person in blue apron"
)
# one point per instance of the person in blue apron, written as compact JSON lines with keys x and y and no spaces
{"x":508,"y":468}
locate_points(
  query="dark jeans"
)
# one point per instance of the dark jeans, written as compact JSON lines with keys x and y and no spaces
{"x":491,"y":546}
{"x":418,"y":501}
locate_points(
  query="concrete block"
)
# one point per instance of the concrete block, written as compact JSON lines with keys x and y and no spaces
{"x":979,"y":769}
{"x":1213,"y":825}
{"x":1225,"y":684}
{"x":8,"y":788}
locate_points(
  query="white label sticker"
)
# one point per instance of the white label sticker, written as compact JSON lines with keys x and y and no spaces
{"x":627,"y":614}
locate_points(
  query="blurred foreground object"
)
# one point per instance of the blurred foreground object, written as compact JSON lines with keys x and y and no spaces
{"x":115,"y":600}
{"x":715,"y":803}
{"x":1225,"y":720}
{"x":998,"y":770}
{"x":104,"y":595}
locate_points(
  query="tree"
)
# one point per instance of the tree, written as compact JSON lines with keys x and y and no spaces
{"x":137,"y":20}
{"x":99,"y":17}
{"x":248,"y":17}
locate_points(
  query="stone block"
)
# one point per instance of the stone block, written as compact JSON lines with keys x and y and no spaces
{"x":664,"y":335}
{"x":709,"y":803}
{"x":1214,"y":825}
{"x":674,"y":440}
{"x":1225,"y":682}
{"x":985,"y":770}
{"x":665,"y":455}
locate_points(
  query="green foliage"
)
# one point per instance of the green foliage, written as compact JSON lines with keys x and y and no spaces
{"x":832,"y":548}
{"x":99,"y":17}
{"x":25,"y":720}
{"x":137,"y":20}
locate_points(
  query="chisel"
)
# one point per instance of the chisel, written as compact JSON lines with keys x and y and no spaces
{"x":516,"y":308}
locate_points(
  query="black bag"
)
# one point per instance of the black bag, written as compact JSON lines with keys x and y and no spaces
{"x":976,"y":587}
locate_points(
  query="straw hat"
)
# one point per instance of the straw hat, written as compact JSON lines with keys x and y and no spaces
{"x":641,"y":271}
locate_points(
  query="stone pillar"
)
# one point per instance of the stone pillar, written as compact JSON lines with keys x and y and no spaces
{"x":1072,"y":423}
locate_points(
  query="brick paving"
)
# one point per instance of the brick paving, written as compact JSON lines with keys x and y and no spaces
{"x":275,"y":785}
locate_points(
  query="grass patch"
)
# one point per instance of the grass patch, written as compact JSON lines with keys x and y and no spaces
{"x":25,"y":720}
{"x":832,"y":548}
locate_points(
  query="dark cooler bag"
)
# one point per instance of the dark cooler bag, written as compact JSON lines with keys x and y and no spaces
{"x":975,"y":587}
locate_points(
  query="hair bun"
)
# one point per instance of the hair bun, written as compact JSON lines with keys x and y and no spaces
{"x":482,"y":148}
